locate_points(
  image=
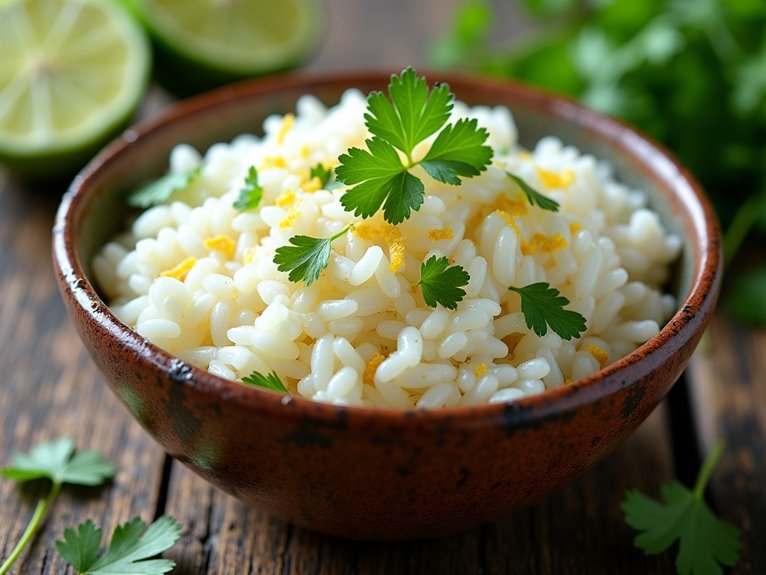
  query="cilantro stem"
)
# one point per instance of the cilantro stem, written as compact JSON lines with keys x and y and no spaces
{"x":710,"y":463}
{"x":32,"y":527}
{"x":330,"y":239}
{"x":744,"y":219}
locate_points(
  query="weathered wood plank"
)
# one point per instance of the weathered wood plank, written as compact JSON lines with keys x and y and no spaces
{"x":729,"y":399}
{"x":50,"y":388}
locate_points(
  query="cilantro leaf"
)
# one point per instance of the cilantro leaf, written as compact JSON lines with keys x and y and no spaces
{"x":705,"y":541}
{"x":306,"y":257}
{"x":160,"y":191}
{"x":57,"y":461}
{"x":411,"y":115}
{"x":543,"y":307}
{"x":442,"y":283}
{"x":80,"y":547}
{"x":270,"y":381}
{"x":379,"y":177}
{"x":251,"y":193}
{"x":129,"y":550}
{"x":534,"y":197}
{"x":322,"y":172}
{"x":458,"y":150}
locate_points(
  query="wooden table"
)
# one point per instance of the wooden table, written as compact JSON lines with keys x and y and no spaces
{"x":49,"y":388}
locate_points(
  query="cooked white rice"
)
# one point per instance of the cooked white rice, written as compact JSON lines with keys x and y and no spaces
{"x":362,"y":334}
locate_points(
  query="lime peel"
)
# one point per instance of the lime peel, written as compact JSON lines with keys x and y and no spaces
{"x":74,"y":72}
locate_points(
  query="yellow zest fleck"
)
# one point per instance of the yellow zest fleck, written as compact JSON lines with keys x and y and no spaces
{"x":371,"y":368}
{"x":287,"y":125}
{"x":285,"y":199}
{"x":553,"y":180}
{"x":395,"y":241}
{"x":249,"y":256}
{"x":510,"y":221}
{"x":392,"y":235}
{"x":541,"y":243}
{"x":568,"y":381}
{"x":369,"y":230}
{"x":524,"y":155}
{"x":598,"y":354}
{"x":312,"y":185}
{"x":223,"y":244}
{"x":437,"y":234}
{"x":292,"y":215}
{"x":179,"y":271}
{"x":574,"y":227}
{"x":515,"y":207}
{"x":305,"y":151}
{"x":272,"y":162}
{"x":480,"y":370}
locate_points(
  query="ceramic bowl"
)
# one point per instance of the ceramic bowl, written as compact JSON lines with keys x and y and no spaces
{"x":371,"y":473}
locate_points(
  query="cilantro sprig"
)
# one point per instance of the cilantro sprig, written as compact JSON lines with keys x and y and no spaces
{"x":534,"y":197}
{"x":543,"y":307}
{"x":251,"y":193}
{"x":162,"y":189}
{"x":58,"y":462}
{"x":398,"y":123}
{"x":705,"y":542}
{"x":130,"y":550}
{"x":270,"y":381}
{"x":379,"y":178}
{"x":305,"y":257}
{"x":441,"y":283}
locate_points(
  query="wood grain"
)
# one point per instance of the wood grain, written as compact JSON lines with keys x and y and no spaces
{"x":49,"y":388}
{"x":729,"y":400}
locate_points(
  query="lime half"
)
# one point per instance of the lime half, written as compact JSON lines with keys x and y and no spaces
{"x":72,"y":72}
{"x":201,"y":44}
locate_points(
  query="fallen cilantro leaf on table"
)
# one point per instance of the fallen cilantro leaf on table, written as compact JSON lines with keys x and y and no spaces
{"x":441,"y":283}
{"x":400,"y":122}
{"x":270,"y":381}
{"x":305,"y":258}
{"x":705,"y":541}
{"x":543,"y":307}
{"x":161,"y":190}
{"x":58,"y":462}
{"x":322,"y":172}
{"x":534,"y":197}
{"x":251,"y":193}
{"x":130,"y":549}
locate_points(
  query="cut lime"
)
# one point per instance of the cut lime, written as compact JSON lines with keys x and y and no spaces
{"x":201,"y":44}
{"x":71,"y":74}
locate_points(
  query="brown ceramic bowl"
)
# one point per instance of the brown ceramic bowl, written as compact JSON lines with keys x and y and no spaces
{"x":370,"y":473}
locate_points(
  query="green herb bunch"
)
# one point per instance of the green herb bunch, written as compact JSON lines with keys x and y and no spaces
{"x":691,"y":73}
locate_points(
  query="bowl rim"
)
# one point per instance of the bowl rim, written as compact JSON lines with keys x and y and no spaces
{"x":661,"y":165}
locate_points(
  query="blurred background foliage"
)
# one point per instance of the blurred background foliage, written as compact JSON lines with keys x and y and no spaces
{"x":691,"y":73}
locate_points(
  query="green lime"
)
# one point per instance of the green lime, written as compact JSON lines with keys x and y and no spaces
{"x":72,"y":73}
{"x":200,"y":44}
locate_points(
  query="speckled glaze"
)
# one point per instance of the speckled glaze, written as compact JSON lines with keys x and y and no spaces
{"x":368,"y":473}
